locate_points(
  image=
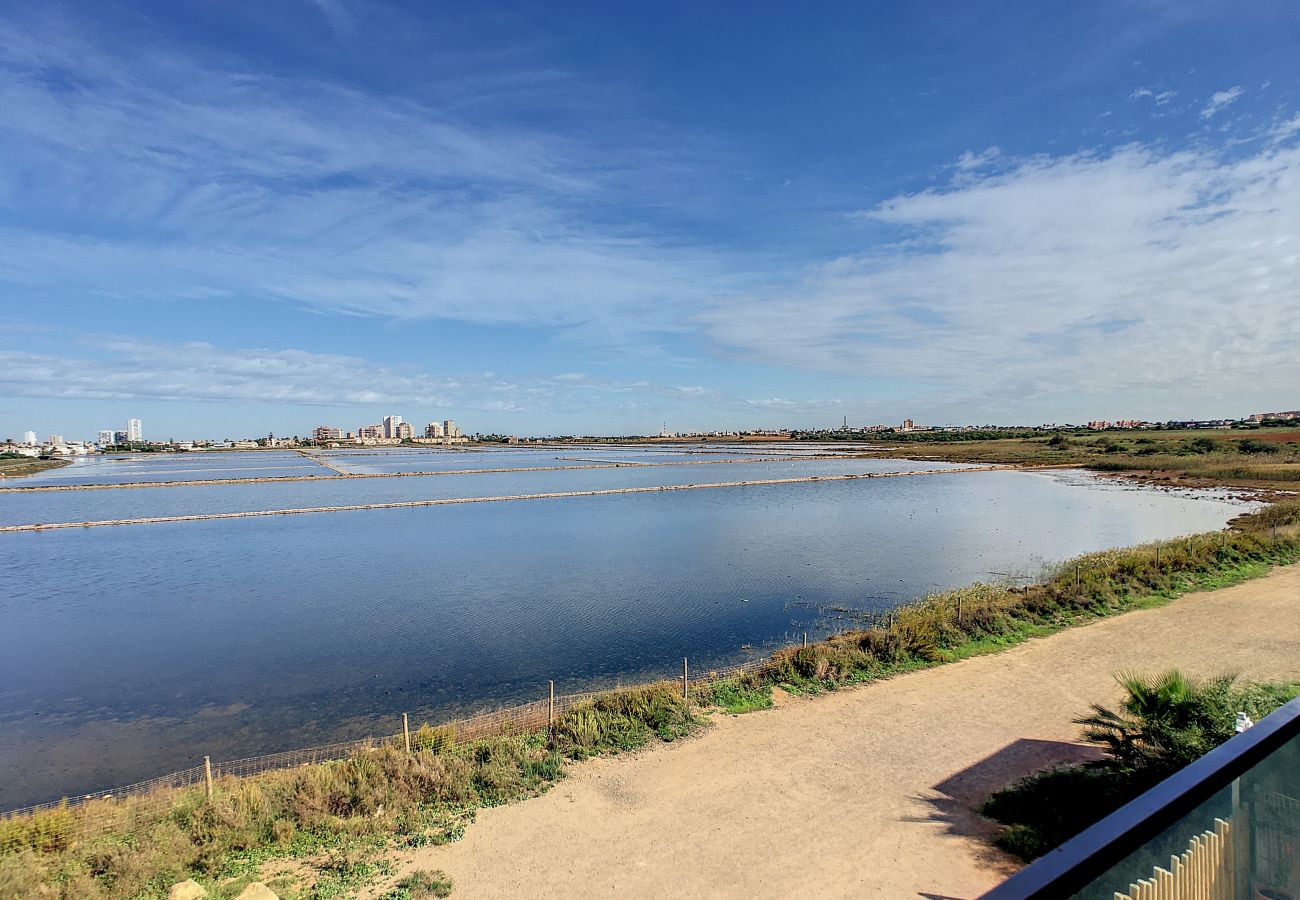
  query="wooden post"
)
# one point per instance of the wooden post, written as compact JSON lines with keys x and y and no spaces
{"x":207,"y":775}
{"x":406,"y":731}
{"x":1157,"y":556}
{"x":550,"y":715}
{"x":959,"y":608}
{"x":1076,"y":574}
{"x":805,"y":640}
{"x":686,"y":680}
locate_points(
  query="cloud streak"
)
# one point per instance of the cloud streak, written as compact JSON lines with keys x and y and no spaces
{"x":1221,"y":100}
{"x":112,"y":368}
{"x":168,"y":177}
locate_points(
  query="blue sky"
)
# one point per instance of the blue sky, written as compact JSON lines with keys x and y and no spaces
{"x":229,"y":218}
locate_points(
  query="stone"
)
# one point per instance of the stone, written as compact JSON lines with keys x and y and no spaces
{"x":257,"y":891}
{"x":187,"y":890}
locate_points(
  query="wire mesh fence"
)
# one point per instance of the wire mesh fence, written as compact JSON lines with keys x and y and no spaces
{"x":100,"y":811}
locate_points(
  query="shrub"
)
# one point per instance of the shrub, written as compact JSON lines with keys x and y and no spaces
{"x":435,"y":740}
{"x":1165,"y":722}
{"x":1253,"y":446}
{"x":421,"y":885}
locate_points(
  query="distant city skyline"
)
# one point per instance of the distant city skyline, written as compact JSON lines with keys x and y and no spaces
{"x":231,"y":219}
{"x":393,"y":428}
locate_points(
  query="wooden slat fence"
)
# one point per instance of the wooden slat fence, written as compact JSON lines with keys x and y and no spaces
{"x":1206,"y":870}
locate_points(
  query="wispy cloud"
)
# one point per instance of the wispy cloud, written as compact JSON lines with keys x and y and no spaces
{"x":172,"y":177}
{"x":127,"y":368}
{"x":1060,"y":280}
{"x":1220,"y":100}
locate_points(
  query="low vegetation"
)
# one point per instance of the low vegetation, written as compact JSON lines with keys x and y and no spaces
{"x":1265,"y":459}
{"x":14,"y":464}
{"x":335,"y":819}
{"x":326,"y":828}
{"x":421,"y":885}
{"x":1164,"y":723}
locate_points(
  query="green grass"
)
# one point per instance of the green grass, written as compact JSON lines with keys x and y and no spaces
{"x":421,"y":885}
{"x":738,"y":695}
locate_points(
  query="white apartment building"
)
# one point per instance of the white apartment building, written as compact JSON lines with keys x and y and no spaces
{"x":134,"y":433}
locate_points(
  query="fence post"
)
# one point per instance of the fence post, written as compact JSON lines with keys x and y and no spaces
{"x":207,"y":775}
{"x":959,"y":608}
{"x":550,"y":715}
{"x":686,"y":680}
{"x":406,"y":731}
{"x":1157,"y":556}
{"x":1076,"y":574}
{"x":805,"y":640}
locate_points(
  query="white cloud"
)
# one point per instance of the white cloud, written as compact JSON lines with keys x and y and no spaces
{"x":1221,"y":99}
{"x":969,"y":161}
{"x":125,"y":368}
{"x":1170,"y":277}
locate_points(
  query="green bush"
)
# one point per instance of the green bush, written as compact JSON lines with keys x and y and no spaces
{"x":1164,"y":723}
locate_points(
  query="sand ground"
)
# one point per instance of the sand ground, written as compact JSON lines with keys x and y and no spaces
{"x":865,"y":792}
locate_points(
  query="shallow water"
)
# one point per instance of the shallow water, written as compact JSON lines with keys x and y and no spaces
{"x":132,"y":651}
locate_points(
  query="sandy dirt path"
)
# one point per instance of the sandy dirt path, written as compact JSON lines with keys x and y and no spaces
{"x":866,"y":792}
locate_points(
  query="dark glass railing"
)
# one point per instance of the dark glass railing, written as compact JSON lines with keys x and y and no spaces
{"x":1227,"y":827}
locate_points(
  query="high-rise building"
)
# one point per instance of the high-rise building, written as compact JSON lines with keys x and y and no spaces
{"x":119,"y":437}
{"x":449,"y":429}
{"x":327,"y":433}
{"x":433,"y":430}
{"x":370,"y":432}
{"x":56,"y":440}
{"x":134,"y":433}
{"x":29,"y":438}
{"x":404,"y":431}
{"x":105,"y":437}
{"x":390,"y":426}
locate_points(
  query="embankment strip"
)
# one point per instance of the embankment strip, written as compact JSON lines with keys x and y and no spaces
{"x":451,"y":501}
{"x":37,"y":488}
{"x":323,"y":463}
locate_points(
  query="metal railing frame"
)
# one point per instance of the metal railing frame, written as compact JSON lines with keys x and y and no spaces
{"x":1086,"y":856}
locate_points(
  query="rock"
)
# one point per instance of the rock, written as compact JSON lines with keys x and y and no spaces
{"x":257,"y":891}
{"x":187,"y":890}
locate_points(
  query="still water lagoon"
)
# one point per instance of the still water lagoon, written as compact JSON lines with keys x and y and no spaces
{"x":130,"y":651}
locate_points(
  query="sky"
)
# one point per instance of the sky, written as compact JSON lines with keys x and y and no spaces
{"x":230,"y":218}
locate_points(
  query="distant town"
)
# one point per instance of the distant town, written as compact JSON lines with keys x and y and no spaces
{"x":390,"y":430}
{"x":394,"y":430}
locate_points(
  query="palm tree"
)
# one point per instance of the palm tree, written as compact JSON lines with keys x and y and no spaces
{"x":1165,"y":721}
